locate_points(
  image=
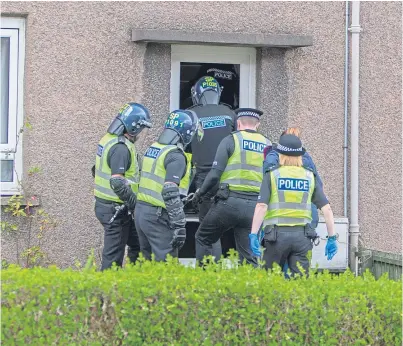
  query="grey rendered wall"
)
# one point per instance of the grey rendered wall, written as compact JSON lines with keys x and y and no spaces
{"x":380,"y":172}
{"x":81,"y":67}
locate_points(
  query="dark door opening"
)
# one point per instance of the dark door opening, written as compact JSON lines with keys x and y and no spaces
{"x":227,"y":75}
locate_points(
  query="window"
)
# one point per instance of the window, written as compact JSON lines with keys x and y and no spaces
{"x":12,"y":73}
{"x":233,"y":67}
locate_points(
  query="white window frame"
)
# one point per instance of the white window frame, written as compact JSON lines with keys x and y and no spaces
{"x":244,"y":56}
{"x":15,"y":29}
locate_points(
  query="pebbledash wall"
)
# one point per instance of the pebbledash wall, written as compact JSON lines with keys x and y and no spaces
{"x":81,"y":66}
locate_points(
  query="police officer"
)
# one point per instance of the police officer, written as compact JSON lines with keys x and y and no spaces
{"x":165,"y":177}
{"x":116,"y":183}
{"x":284,"y":207}
{"x":238,"y":168}
{"x":271,"y":161}
{"x":217,"y":121}
{"x":226,"y":75}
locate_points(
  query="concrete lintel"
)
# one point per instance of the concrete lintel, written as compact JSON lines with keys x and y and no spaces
{"x":221,"y":38}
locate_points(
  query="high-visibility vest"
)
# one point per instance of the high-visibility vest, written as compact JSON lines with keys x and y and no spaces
{"x":290,"y":199}
{"x":244,"y":167}
{"x":103,"y":171}
{"x":153,"y":174}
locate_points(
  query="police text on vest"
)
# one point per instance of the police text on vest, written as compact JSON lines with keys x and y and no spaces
{"x":212,"y":124}
{"x":152,"y":152}
{"x":290,"y":184}
{"x":253,"y":146}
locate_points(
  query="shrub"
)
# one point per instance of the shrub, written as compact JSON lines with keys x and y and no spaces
{"x":169,"y":304}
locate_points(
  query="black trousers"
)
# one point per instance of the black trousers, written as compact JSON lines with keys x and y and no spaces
{"x":117,"y":235}
{"x":292,"y":246}
{"x":204,"y":207}
{"x":154,"y":233}
{"x":232,"y":213}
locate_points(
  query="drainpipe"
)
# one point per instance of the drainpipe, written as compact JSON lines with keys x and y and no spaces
{"x":345,"y":146}
{"x":355,"y":30}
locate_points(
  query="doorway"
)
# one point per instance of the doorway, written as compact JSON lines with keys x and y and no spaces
{"x":234,"y":68}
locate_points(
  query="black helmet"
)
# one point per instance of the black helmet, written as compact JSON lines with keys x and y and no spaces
{"x":132,"y":119}
{"x":206,"y":91}
{"x":181,"y":126}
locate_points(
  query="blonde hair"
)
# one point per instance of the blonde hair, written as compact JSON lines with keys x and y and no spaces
{"x":296,"y":131}
{"x":286,"y":160}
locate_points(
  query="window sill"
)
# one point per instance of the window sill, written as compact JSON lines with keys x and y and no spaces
{"x":34,"y":201}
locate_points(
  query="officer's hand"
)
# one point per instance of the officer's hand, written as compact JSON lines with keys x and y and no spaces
{"x":331,"y":247}
{"x":196,"y":199}
{"x":254,"y":244}
{"x":179,"y":238}
{"x":131,"y":202}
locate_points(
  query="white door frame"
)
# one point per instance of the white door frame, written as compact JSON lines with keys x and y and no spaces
{"x":244,"y":56}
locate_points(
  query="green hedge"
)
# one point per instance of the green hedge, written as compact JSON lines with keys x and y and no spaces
{"x":169,"y":304}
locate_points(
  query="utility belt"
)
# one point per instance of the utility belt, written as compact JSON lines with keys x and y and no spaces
{"x":224,"y":193}
{"x":271,"y":232}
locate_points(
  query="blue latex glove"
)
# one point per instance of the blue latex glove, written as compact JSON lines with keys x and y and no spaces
{"x":331,"y":247}
{"x":254,"y":244}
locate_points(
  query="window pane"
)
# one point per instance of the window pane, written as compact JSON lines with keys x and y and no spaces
{"x":5,"y":72}
{"x":7,"y":170}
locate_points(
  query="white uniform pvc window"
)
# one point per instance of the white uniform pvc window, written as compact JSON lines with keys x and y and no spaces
{"x":12,"y":73}
{"x":233,"y":67}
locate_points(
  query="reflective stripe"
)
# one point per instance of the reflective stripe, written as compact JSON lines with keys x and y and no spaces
{"x":163,"y":150}
{"x":153,"y":177}
{"x":107,"y":145}
{"x":242,"y":182}
{"x":289,"y":205}
{"x":286,"y":220}
{"x":156,"y":195}
{"x":280,"y":193}
{"x":106,"y":191}
{"x":305,"y":196}
{"x":243,"y":152}
{"x":102,"y":174}
{"x":151,"y":193}
{"x":183,"y":191}
{"x":245,"y":166}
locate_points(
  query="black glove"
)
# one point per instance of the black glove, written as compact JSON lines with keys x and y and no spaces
{"x":179,"y":238}
{"x":93,"y":171}
{"x":174,"y":206}
{"x":123,"y":190}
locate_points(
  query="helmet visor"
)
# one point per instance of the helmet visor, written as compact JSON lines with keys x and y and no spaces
{"x":116,"y":127}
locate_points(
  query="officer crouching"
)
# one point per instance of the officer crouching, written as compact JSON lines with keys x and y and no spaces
{"x":116,"y":183}
{"x":165,"y":177}
{"x":238,"y":168}
{"x":284,"y":207}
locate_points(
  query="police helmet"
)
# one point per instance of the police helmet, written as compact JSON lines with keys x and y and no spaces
{"x":180,"y":127}
{"x":132,"y":119}
{"x":206,"y":91}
